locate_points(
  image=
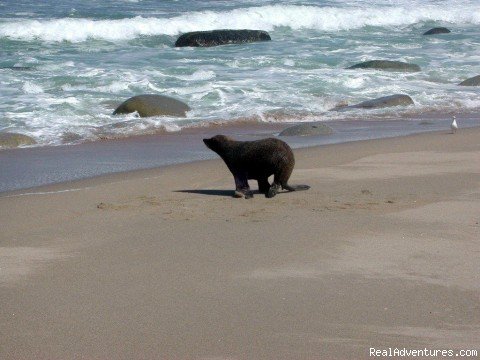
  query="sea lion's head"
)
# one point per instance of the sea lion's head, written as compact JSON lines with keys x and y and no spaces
{"x":217,"y":143}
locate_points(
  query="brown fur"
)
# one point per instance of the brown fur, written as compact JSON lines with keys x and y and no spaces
{"x":256,"y":160}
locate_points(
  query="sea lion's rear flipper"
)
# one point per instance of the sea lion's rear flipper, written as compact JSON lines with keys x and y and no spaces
{"x":296,"y":187}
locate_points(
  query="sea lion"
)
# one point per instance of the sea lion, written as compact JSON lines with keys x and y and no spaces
{"x":256,"y":160}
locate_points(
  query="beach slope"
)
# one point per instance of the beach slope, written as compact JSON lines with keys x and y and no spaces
{"x":381,"y":252}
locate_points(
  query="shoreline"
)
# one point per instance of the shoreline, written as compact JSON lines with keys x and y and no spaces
{"x":164,"y":263}
{"x":29,"y":168}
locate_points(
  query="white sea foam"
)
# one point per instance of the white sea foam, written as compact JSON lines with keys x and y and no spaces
{"x":114,"y":87}
{"x":198,"y":75}
{"x":355,"y":83}
{"x":31,"y":88}
{"x":171,"y":127}
{"x":261,"y":17}
{"x":70,"y":92}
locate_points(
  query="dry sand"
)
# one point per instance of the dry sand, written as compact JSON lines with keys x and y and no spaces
{"x":383,"y":251}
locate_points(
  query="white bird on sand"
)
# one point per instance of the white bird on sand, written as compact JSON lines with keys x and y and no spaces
{"x":454,"y":125}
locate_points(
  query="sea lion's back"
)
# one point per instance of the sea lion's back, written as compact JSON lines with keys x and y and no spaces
{"x":279,"y":150}
{"x":267,"y":156}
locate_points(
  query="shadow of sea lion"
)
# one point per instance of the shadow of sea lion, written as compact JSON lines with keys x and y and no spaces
{"x":228,"y":193}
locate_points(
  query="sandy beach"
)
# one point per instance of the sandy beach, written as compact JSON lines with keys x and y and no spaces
{"x":381,"y":252}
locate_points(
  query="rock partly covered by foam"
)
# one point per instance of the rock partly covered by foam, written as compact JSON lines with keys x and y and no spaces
{"x":221,"y":37}
{"x":153,"y":105}
{"x":382,"y":102}
{"x":387,"y":65}
{"x":473,"y":81}
{"x":13,"y":140}
{"x":307,"y":129}
{"x":437,"y":30}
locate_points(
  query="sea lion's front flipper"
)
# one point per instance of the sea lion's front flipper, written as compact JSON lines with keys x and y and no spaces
{"x":242,"y":189}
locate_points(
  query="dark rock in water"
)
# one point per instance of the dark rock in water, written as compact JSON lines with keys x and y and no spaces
{"x":387,"y":65}
{"x":341,"y":105}
{"x":426,"y":122}
{"x":307,"y":129}
{"x":221,"y":37}
{"x":474,"y":81}
{"x":153,"y":105}
{"x":437,"y":30}
{"x":13,"y":140}
{"x":386,"y":101}
{"x":17,"y":68}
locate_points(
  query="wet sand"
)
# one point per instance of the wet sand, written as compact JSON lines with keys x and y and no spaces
{"x":381,"y":252}
{"x":38,"y":166}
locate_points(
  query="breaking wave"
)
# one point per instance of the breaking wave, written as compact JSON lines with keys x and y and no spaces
{"x":260,"y":17}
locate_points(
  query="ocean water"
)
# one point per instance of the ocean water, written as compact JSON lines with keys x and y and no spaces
{"x":65,"y":65}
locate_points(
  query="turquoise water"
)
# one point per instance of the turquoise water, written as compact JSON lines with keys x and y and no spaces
{"x":82,"y":58}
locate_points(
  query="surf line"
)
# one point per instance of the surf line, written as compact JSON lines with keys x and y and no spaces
{"x":46,"y":192}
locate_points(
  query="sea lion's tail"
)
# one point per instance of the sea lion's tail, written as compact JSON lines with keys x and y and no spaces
{"x":296,"y":187}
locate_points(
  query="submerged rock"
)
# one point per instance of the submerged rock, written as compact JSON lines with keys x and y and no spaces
{"x":473,"y":81}
{"x":153,"y":105}
{"x":341,"y":105}
{"x":70,"y":137}
{"x":307,"y":129}
{"x":382,"y":102}
{"x":387,"y":65}
{"x":437,"y":30}
{"x":16,"y":68}
{"x":221,"y":37}
{"x":13,"y":140}
{"x":426,"y":122}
